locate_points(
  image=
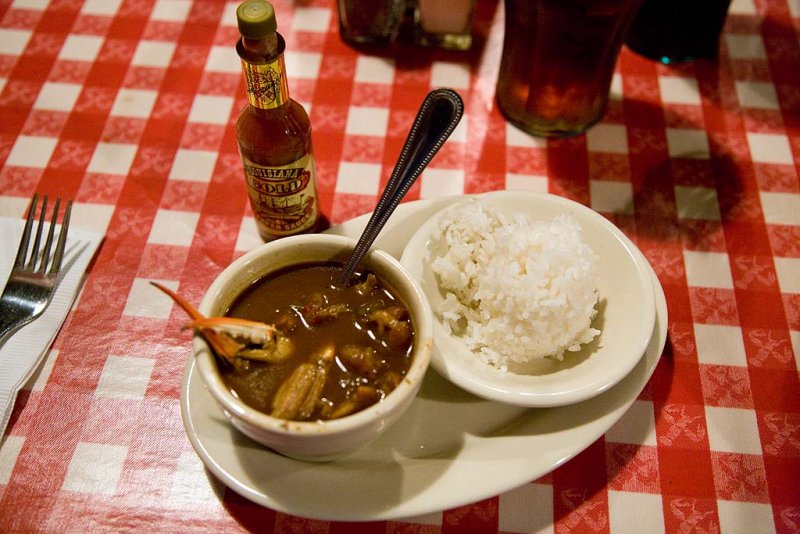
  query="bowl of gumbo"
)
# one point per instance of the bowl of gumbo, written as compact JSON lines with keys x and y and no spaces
{"x":305,"y":367}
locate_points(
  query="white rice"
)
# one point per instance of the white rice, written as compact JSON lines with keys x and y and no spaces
{"x":515,"y":289}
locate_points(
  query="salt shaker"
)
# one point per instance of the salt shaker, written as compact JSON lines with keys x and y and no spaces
{"x":444,"y":23}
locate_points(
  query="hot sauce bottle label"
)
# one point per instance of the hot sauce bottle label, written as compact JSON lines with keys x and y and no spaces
{"x":283,"y":198}
{"x":267,"y":86}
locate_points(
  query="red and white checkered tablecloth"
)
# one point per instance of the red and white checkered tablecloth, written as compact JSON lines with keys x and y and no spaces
{"x":127,"y":106}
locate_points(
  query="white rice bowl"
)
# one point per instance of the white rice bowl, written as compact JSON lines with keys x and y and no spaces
{"x":515,"y":288}
{"x":621,"y":304}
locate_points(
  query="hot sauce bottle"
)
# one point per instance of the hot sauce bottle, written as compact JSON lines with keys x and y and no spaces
{"x":273,"y":131}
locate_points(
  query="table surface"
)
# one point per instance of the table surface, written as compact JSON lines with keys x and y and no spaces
{"x":127,"y":106}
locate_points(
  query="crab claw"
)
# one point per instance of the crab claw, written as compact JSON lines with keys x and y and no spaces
{"x":221,"y":343}
{"x":259,"y":341}
{"x":250,"y":331}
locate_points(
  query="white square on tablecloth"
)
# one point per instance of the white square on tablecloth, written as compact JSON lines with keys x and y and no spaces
{"x":223,"y":59}
{"x":9,"y":452}
{"x":694,"y":202}
{"x":191,"y":483}
{"x":732,"y":430}
{"x":770,"y":148}
{"x":526,"y":182}
{"x":781,"y":208}
{"x":528,"y":508}
{"x":707,"y":269}
{"x":153,"y":54}
{"x":367,"y":121}
{"x":13,"y":42}
{"x":518,"y":138}
{"x":173,"y":227}
{"x":311,"y":19}
{"x":687,"y":143}
{"x":303,"y":65}
{"x":57,"y":96}
{"x":788,"y":271}
{"x":636,"y":427}
{"x":81,"y":48}
{"x":229,"y":14}
{"x":612,"y":138}
{"x":32,"y":151}
{"x":14,"y":207}
{"x":92,"y":217}
{"x":101,"y":7}
{"x":112,"y":158}
{"x":442,"y":183}
{"x":193,"y":165}
{"x":144,"y":300}
{"x":248,"y":237}
{"x":137,"y":103}
{"x":211,"y":109}
{"x":3,"y":82}
{"x":615,"y":92}
{"x":720,"y":345}
{"x":449,"y":74}
{"x":461,"y":131}
{"x":679,"y":90}
{"x":371,"y":69}
{"x":742,"y":7}
{"x":41,"y":375}
{"x":358,"y":178}
{"x":95,"y":468}
{"x":794,"y":335}
{"x":745,"y":46}
{"x":171,"y":10}
{"x":737,"y":517}
{"x":611,"y":197}
{"x":757,"y":95}
{"x":635,"y":512}
{"x":125,"y":377}
{"x":33,"y":5}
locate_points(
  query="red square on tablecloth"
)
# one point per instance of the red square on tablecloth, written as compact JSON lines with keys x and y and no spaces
{"x":682,"y":386}
{"x":775,"y":390}
{"x":687,"y":514}
{"x":713,"y":305}
{"x":739,"y":477}
{"x":782,"y":479}
{"x":632,"y":467}
{"x":726,"y":385}
{"x":686,"y":472}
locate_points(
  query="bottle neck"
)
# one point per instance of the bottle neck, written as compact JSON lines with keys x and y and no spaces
{"x":264,"y":71}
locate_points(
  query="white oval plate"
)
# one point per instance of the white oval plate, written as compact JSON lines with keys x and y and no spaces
{"x":450,"y":449}
{"x":626,"y":314}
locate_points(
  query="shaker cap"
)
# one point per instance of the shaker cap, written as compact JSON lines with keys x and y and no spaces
{"x":256,"y":19}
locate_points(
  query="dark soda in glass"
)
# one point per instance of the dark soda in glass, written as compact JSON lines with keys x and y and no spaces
{"x":678,"y":30}
{"x":558,"y":60}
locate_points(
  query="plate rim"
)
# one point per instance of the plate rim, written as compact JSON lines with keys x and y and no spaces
{"x":400,"y":510}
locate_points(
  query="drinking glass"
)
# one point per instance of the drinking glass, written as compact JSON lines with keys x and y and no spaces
{"x":558,"y":60}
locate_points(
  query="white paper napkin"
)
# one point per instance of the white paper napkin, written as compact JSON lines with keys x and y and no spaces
{"x":25,"y":350}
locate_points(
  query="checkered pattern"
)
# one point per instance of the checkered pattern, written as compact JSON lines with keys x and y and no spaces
{"x":128,"y":106}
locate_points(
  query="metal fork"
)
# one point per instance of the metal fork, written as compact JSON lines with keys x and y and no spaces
{"x":32,"y":283}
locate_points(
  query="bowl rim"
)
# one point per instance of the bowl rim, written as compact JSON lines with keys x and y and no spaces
{"x":423,"y":327}
{"x":447,"y":365}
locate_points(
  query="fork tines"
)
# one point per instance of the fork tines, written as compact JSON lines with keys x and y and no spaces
{"x":22,"y":253}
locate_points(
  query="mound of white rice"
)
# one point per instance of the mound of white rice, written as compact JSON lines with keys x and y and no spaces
{"x":516,"y":289}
